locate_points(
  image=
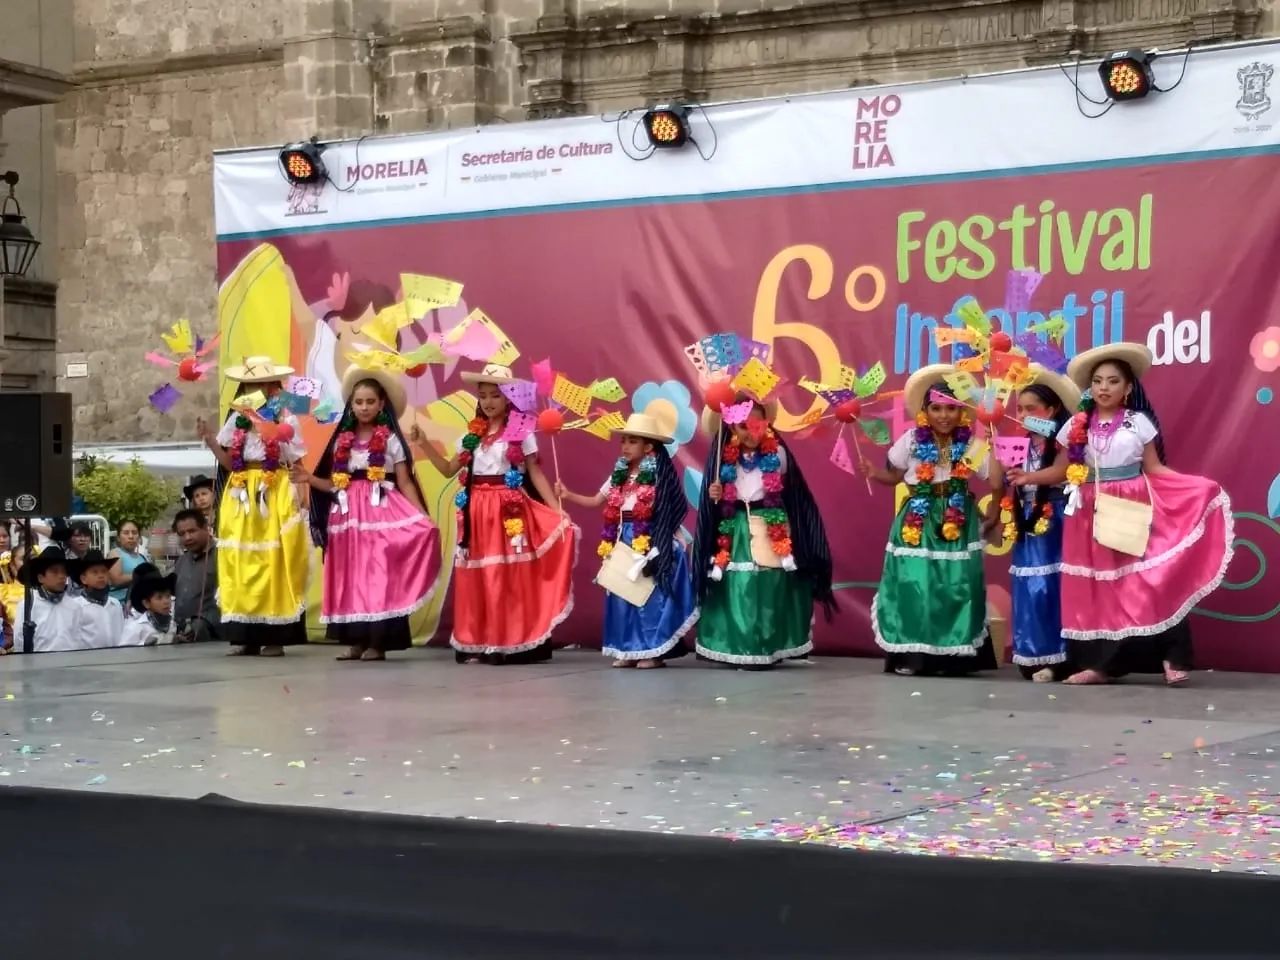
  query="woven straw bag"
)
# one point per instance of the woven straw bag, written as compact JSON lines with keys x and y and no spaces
{"x":1119,"y":524}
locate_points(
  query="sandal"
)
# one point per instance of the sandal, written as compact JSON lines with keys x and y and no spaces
{"x":244,"y":652}
{"x":620,"y":664}
{"x":1087,"y":678}
{"x":371,"y":655}
{"x":273,"y":651}
{"x":650,"y":664}
{"x":904,"y":672}
{"x":1174,"y":677}
{"x":351,"y":653}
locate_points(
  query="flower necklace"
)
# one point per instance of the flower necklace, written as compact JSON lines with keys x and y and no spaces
{"x":929,"y":455}
{"x":733,"y":457}
{"x":377,"y":469}
{"x":623,"y":487}
{"x":513,"y":496}
{"x":1013,"y":507}
{"x":270,"y":460}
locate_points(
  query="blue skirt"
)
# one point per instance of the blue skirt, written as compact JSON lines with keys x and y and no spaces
{"x":1036,"y":595}
{"x":657,"y":630}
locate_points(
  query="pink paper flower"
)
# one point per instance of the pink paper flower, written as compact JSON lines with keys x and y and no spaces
{"x":730,"y":493}
{"x":1265,"y":350}
{"x":772,"y":482}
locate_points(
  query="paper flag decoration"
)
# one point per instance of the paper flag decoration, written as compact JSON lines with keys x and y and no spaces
{"x":523,"y":394}
{"x":944,"y":336}
{"x":976,"y":455}
{"x":610,"y":391}
{"x":840,"y":456}
{"x":571,"y":396}
{"x":519,"y":426}
{"x":326,"y":411}
{"x":971,"y":364}
{"x":721,"y":351}
{"x":249,"y":401}
{"x":382,"y":329}
{"x":937,"y":396}
{"x":877,"y":431}
{"x":397,"y":313}
{"x":1045,"y":354}
{"x":476,"y":342}
{"x":580,"y":424}
{"x":370,"y":359}
{"x":1002,"y":365}
{"x":737,"y":412}
{"x":164,"y":398}
{"x":1012,"y":451}
{"x":506,"y":353}
{"x":294,"y":403}
{"x":426,"y":353}
{"x":757,"y":379}
{"x":871,"y":381}
{"x":1019,"y":285}
{"x":694,"y":352}
{"x":962,"y":384}
{"x":180,"y":339}
{"x":1045,"y":428}
{"x":973,"y":316}
{"x":837,"y":397}
{"x":1055,"y":328}
{"x":812,"y":417}
{"x":815,"y":388}
{"x":423,"y":294}
{"x":604,"y":427}
{"x":544,"y":378}
{"x":754,"y":348}
{"x":303,"y":387}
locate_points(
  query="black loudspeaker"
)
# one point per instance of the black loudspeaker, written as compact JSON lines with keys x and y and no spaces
{"x":36,"y":462}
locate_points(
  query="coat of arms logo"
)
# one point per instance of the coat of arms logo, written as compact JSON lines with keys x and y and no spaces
{"x":1255,"y":99}
{"x":304,"y":199}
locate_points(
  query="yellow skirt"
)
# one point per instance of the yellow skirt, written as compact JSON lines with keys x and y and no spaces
{"x":263,"y":551}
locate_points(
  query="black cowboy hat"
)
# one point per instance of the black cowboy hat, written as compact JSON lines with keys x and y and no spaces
{"x":32,"y":567}
{"x":198,"y":482}
{"x":92,"y":558}
{"x":147,"y":582}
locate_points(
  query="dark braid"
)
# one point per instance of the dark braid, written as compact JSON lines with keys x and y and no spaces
{"x":1025,"y":521}
{"x":669,"y":511}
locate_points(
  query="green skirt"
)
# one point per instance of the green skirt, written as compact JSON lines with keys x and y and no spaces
{"x":755,"y":616}
{"x":932,"y":598}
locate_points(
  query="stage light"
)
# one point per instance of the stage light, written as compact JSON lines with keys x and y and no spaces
{"x":301,"y":163}
{"x":1127,"y":75}
{"x":667,"y":127}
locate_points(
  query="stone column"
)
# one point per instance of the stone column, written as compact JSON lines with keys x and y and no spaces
{"x":328,"y":83}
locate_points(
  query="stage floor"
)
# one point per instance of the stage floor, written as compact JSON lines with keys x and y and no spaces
{"x":831,"y":752}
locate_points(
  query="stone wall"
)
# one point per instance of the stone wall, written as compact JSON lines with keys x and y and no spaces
{"x":165,"y":84}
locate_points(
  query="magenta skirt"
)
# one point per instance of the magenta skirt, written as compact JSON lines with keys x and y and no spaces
{"x":1111,"y":596}
{"x":381,"y":562}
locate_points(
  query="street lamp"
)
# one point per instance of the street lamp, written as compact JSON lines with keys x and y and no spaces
{"x":18,"y":245}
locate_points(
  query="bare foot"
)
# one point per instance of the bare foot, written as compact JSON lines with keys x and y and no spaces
{"x":650,"y":664}
{"x":1043,"y":676}
{"x":1174,"y":677}
{"x":351,"y":653}
{"x":1086,"y":678}
{"x":620,"y":664}
{"x":371,"y":655}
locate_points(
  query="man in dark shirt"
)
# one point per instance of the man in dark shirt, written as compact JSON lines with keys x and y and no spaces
{"x":195,"y":601}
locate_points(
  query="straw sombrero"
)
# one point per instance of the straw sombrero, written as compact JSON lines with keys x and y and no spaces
{"x":258,"y":370}
{"x":644,"y":426}
{"x":711,"y":418}
{"x":387,"y":379}
{"x":1082,"y":365}
{"x":492,"y":373}
{"x":1060,"y":384}
{"x":921,"y":382}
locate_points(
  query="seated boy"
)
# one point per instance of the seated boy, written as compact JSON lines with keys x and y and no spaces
{"x":150,"y":619}
{"x":55,"y":615}
{"x":100,"y":615}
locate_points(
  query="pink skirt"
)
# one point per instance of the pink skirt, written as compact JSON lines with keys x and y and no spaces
{"x":382,"y":561}
{"x":1111,"y":596}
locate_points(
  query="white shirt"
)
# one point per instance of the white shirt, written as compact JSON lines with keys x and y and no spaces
{"x":140,"y":632}
{"x":255,"y":450}
{"x":395,"y":454}
{"x":900,"y":456}
{"x":1127,"y":443}
{"x":750,"y":483}
{"x":491,"y":461}
{"x":99,"y":625}
{"x":57,"y":625}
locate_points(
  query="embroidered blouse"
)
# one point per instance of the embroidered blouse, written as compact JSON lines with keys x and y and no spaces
{"x":901,"y":458}
{"x":491,"y":461}
{"x":1127,"y":444}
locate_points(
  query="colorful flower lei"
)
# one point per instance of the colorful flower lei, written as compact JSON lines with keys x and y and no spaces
{"x":772,"y":511}
{"x":513,"y":497}
{"x":377,"y":470}
{"x":1077,"y":442}
{"x":928,"y":454}
{"x":623,"y":486}
{"x":1038,"y":529}
{"x":271,"y":459}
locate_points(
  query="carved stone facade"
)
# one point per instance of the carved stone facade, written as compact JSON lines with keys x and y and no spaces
{"x":163,"y":85}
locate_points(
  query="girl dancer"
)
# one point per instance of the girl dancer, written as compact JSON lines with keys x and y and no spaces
{"x":262,"y":540}
{"x":513,"y":579}
{"x":761,"y":559}
{"x":929,"y":614}
{"x":643,"y":508}
{"x":381,"y":550}
{"x":1035,"y":527}
{"x":1127,"y":614}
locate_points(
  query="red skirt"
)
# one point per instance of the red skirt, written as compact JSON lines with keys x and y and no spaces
{"x":507,"y":598}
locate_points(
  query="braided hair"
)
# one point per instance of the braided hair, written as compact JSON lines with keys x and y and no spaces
{"x":322,"y":500}
{"x":669,"y":510}
{"x":1025,"y":520}
{"x":808,"y":535}
{"x":1137,"y":402}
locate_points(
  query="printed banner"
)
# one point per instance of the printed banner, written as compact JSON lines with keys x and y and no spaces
{"x":831,"y":231}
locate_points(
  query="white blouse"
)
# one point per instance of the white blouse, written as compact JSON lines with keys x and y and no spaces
{"x":628,"y":502}
{"x":255,"y":450}
{"x":491,"y":461}
{"x":100,"y":624}
{"x":1127,"y":443}
{"x":395,"y":454}
{"x":57,"y":625}
{"x":140,"y":632}
{"x":750,"y":483}
{"x":900,"y":457}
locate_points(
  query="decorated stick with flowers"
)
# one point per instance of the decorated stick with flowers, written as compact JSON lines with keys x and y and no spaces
{"x":190,"y":352}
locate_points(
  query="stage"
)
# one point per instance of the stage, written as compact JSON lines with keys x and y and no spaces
{"x":833,"y":752}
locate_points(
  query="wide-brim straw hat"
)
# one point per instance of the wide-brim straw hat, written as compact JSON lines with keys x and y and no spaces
{"x":1059,"y":383}
{"x":391,"y":383}
{"x":492,"y":373}
{"x":711,"y":418}
{"x":919,"y":384}
{"x":258,"y":370}
{"x":644,"y":426}
{"x":1082,"y":365}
